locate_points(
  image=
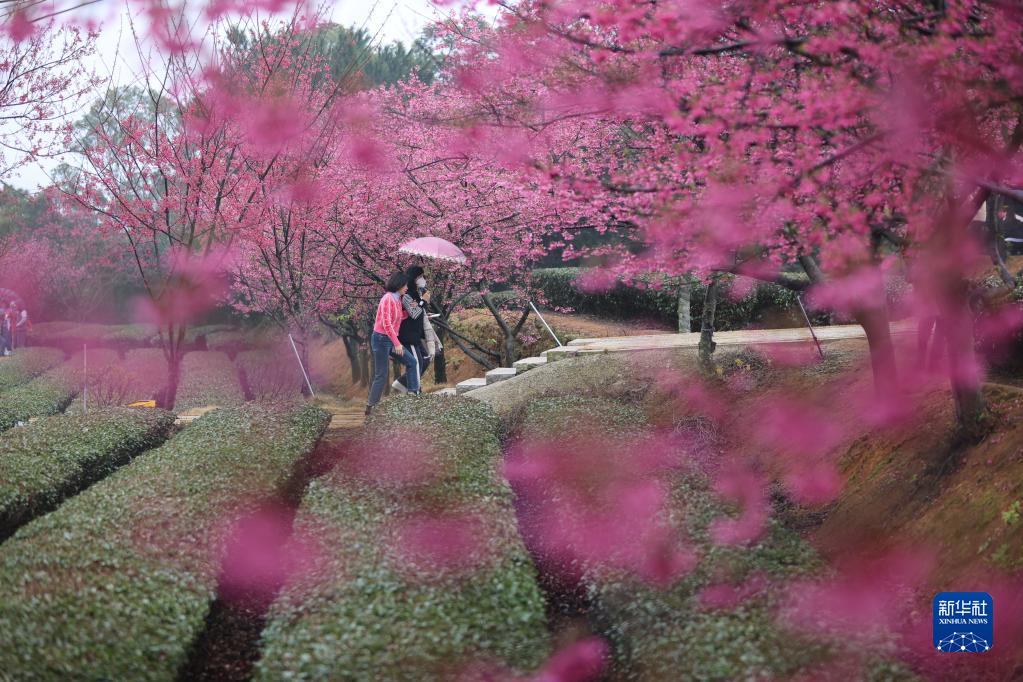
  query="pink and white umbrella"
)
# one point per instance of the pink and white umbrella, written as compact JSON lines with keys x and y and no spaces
{"x":433,"y":247}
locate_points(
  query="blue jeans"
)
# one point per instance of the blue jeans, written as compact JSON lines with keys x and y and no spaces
{"x":381,"y":346}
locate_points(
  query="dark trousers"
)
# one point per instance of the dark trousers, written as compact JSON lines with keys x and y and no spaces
{"x":381,"y":346}
{"x":420,"y":350}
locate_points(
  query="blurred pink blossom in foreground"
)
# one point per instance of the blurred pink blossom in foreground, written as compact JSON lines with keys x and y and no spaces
{"x":260,"y":554}
{"x":598,"y":504}
{"x":441,"y":542}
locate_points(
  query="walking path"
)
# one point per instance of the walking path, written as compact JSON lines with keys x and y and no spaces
{"x":744,"y":337}
{"x":631,"y":344}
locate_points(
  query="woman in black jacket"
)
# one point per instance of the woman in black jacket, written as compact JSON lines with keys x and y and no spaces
{"x":412,"y":332}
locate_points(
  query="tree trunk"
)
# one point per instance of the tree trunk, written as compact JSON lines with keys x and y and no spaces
{"x":352,"y":351}
{"x":173,"y":378}
{"x":173,"y":351}
{"x":964,"y":374}
{"x":710,"y":304}
{"x":685,"y":315}
{"x":511,"y":334}
{"x":365,"y":364}
{"x":510,"y":348}
{"x":302,"y":343}
{"x":874,"y":320}
{"x":440,"y":363}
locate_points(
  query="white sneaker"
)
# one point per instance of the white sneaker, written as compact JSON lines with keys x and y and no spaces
{"x":396,"y":385}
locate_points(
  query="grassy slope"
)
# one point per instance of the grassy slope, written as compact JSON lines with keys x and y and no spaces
{"x":665,"y":634}
{"x":916,"y":486}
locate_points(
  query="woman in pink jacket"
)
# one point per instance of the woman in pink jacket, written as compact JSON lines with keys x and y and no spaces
{"x":384,"y":341}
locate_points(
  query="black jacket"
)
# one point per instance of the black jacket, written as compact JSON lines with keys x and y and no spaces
{"x":411,"y":332}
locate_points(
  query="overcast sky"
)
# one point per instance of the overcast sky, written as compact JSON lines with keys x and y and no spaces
{"x":116,"y":57}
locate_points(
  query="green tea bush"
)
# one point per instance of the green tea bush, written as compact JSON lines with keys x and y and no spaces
{"x":52,"y":391}
{"x":26,"y":364}
{"x":369,"y":616}
{"x":208,"y":378}
{"x":117,"y":582}
{"x":666,"y":633}
{"x":762,"y":303}
{"x":52,"y":458}
{"x":73,"y":335}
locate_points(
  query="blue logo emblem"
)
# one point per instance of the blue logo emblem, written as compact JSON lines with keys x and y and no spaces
{"x":964,"y":622}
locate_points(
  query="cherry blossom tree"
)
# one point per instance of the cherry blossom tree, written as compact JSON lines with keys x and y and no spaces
{"x":810,"y":145}
{"x":44,"y":77}
{"x":180,"y":178}
{"x":54,"y":255}
{"x":419,"y":178}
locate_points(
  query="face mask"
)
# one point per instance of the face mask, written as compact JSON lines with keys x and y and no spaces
{"x":421,"y":283}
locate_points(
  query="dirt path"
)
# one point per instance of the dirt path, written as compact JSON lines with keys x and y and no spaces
{"x":230,"y":644}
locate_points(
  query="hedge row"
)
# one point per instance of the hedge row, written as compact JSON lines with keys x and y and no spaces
{"x":50,"y":459}
{"x":53,"y":391}
{"x":26,"y":364}
{"x":368,"y":615}
{"x":208,"y":378}
{"x":762,"y":303}
{"x":666,"y":634}
{"x":234,"y":341}
{"x":121,"y":336}
{"x":73,"y":335}
{"x":270,"y":377}
{"x":117,"y":582}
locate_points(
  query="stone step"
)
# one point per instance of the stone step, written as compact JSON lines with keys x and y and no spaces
{"x":560,"y":353}
{"x":344,"y":421}
{"x":446,"y":392}
{"x":470,"y":385}
{"x":500,"y":374}
{"x":189,"y":416}
{"x":527,"y":364}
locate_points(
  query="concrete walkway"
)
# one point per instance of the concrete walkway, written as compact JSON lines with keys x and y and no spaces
{"x":745,"y":337}
{"x":653,"y":342}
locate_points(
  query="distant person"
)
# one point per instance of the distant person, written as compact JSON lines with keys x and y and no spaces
{"x":384,"y":342}
{"x":21,"y":327}
{"x":6,"y":331}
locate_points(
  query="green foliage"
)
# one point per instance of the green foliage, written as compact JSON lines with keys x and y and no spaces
{"x":369,"y":615}
{"x":1011,"y":515}
{"x":20,"y":211}
{"x":116,"y":583}
{"x":351,"y":55}
{"x":764,"y":301}
{"x":26,"y":364}
{"x":353,"y":58}
{"x":48,"y":460}
{"x":555,"y":417}
{"x":208,"y":378}
{"x":52,"y":391}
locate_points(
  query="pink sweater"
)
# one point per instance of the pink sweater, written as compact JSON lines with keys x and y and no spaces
{"x":390,"y":313}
